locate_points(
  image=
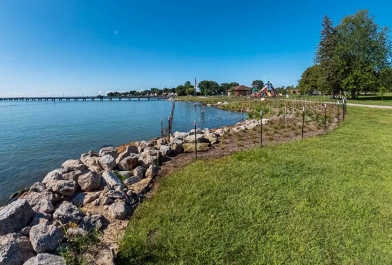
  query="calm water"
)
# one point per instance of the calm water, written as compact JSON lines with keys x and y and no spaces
{"x":37,"y":137}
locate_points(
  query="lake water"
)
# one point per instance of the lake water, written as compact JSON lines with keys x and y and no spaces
{"x":37,"y":137}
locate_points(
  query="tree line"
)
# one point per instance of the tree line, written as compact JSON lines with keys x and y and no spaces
{"x":206,"y":87}
{"x":353,"y":56}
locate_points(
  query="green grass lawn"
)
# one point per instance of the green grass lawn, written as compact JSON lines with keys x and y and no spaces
{"x":373,"y":99}
{"x":323,"y":200}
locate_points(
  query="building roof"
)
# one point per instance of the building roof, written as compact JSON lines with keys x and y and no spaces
{"x":241,"y":88}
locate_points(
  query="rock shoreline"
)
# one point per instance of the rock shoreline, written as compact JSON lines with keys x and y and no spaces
{"x":97,"y":191}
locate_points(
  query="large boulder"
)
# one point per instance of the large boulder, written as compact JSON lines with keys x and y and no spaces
{"x":90,"y":161}
{"x":15,"y":249}
{"x":161,"y":141}
{"x":165,"y":150}
{"x":108,"y":151}
{"x":141,"y":186}
{"x":44,"y":206}
{"x":191,"y":138}
{"x":65,"y":187}
{"x":73,"y":175}
{"x":129,"y":162}
{"x":45,"y":238}
{"x":15,"y":216}
{"x":150,"y":157}
{"x":120,"y":210}
{"x":53,"y":176}
{"x":35,"y":197}
{"x":37,"y":187}
{"x":46,"y":259}
{"x":75,"y":164}
{"x":89,"y":181}
{"x":112,"y":180}
{"x":180,"y":135}
{"x":107,"y":162}
{"x":67,"y":212}
{"x":131,"y":149}
{"x":176,"y":148}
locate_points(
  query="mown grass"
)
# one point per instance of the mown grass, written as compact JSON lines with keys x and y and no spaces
{"x":322,"y":200}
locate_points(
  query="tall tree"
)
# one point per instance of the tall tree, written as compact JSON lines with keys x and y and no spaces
{"x":363,"y":52}
{"x":258,"y":84}
{"x":225,"y":87}
{"x":326,"y":55}
{"x":208,"y":87}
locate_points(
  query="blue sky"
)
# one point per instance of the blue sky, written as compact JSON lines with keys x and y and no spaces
{"x":50,"y":47}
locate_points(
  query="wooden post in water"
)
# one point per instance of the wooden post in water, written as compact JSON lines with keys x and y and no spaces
{"x":194,"y":123}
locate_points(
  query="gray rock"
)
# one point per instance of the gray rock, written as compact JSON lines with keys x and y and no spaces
{"x":40,"y":218}
{"x":65,"y":187}
{"x":90,"y":161}
{"x":37,"y":187}
{"x":131,"y":180}
{"x":119,"y":210}
{"x":107,"y":162}
{"x":75,"y":164}
{"x":176,"y":141}
{"x":212,"y":138}
{"x":75,"y":232}
{"x":89,"y":181}
{"x":198,"y":131}
{"x":121,"y":156}
{"x":139,"y":172}
{"x":132,"y":149}
{"x":44,"y":206}
{"x":150,"y":157}
{"x":129,"y":163}
{"x":161,"y":141}
{"x":191,"y":138}
{"x":85,"y":197}
{"x":125,"y":174}
{"x":53,"y":176}
{"x":152,"y":171}
{"x":78,"y":200}
{"x":112,"y":180}
{"x":15,"y":249}
{"x":45,"y":238}
{"x":73,"y":175}
{"x":35,"y":197}
{"x":15,"y":216}
{"x":67,"y":212}
{"x":176,"y":148}
{"x":91,"y":222}
{"x":108,"y":151}
{"x":180,"y":135}
{"x":46,"y":259}
{"x":165,"y":150}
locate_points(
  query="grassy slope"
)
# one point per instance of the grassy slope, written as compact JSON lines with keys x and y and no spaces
{"x":324,"y":200}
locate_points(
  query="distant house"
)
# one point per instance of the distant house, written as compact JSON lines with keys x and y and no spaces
{"x":242,"y":91}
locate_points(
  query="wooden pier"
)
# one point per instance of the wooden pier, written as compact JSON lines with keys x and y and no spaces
{"x":81,"y":98}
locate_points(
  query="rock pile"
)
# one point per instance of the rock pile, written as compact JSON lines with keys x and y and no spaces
{"x":33,"y":228}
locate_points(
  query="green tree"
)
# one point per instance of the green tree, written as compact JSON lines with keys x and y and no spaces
{"x":188,"y":84}
{"x":190,"y":91}
{"x":225,"y":87}
{"x":326,"y":56}
{"x":259,"y":84}
{"x":311,"y":80}
{"x":386,"y":78}
{"x":181,"y":90}
{"x":208,"y":87}
{"x":363,"y":51}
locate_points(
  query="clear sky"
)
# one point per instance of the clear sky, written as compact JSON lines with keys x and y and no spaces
{"x":76,"y":47}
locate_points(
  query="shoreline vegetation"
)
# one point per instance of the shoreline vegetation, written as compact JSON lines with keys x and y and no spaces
{"x":89,"y":201}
